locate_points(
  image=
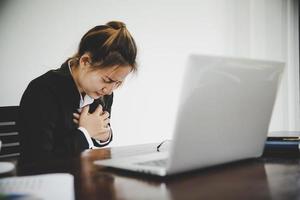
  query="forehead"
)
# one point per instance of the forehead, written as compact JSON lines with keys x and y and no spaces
{"x":116,"y":72}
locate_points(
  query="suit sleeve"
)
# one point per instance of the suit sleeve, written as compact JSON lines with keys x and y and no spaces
{"x":38,"y":120}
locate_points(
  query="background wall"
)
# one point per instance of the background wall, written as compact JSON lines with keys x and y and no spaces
{"x":36,"y":36}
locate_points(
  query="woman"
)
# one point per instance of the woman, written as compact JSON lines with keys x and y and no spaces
{"x":67,"y":110}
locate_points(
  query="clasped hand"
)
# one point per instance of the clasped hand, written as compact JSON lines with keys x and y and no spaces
{"x":96,"y":123}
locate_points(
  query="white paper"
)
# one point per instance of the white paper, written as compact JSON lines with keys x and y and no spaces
{"x":46,"y":186}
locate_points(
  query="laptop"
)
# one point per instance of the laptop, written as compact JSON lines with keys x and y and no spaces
{"x":224,"y":112}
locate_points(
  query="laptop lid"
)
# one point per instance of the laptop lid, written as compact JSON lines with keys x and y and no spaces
{"x":224,"y":112}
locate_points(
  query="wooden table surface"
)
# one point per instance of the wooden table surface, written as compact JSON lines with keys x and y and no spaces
{"x":273,"y":176}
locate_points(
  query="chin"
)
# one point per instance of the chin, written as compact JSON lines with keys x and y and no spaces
{"x":93,"y":95}
{"x":96,"y":96}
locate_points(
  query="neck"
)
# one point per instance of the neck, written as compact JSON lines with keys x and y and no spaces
{"x":75,"y":74}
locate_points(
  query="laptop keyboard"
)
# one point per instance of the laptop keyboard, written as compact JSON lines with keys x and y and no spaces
{"x":156,"y":163}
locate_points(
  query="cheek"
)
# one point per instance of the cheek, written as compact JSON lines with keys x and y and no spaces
{"x":94,"y":83}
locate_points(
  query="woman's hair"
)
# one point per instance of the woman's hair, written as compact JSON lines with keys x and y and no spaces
{"x":109,"y":45}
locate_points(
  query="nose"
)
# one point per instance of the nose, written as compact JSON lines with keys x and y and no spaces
{"x":108,"y":89}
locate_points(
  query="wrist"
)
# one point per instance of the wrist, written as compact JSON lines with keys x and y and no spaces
{"x":87,"y":136}
{"x":105,"y":137}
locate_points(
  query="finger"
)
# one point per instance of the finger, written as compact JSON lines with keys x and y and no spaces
{"x":105,"y":115}
{"x":85,"y":110}
{"x":76,"y":115}
{"x":107,"y":121}
{"x":75,"y":121}
{"x":98,"y":110}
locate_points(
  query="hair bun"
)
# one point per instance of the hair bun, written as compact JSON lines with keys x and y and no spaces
{"x":116,"y":24}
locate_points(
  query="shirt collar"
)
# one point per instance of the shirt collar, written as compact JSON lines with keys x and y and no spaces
{"x":86,"y":100}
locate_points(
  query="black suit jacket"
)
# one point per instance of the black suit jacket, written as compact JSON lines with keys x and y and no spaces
{"x":45,"y":120}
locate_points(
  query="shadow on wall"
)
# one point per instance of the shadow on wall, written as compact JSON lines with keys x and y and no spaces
{"x":3,"y":4}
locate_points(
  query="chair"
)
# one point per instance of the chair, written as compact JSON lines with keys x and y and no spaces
{"x":9,"y":135}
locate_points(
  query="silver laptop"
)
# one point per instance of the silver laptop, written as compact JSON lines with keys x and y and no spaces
{"x":223,"y":116}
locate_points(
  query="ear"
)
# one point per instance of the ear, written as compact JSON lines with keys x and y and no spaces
{"x":85,"y":60}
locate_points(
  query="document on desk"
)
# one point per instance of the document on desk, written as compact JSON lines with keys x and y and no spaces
{"x":45,"y":186}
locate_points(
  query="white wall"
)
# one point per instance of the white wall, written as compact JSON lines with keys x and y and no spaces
{"x":36,"y":36}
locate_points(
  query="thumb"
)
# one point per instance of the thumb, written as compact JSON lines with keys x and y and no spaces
{"x":98,"y":111}
{"x":85,"y":110}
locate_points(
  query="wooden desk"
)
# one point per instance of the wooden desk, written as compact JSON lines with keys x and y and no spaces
{"x":274,"y":176}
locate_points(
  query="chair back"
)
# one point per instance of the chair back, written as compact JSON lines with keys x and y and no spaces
{"x":9,"y":134}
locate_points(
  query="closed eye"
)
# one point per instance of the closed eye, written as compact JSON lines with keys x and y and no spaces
{"x":107,"y":81}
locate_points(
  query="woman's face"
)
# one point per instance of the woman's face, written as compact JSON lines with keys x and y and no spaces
{"x":100,"y":82}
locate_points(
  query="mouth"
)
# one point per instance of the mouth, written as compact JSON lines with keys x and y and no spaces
{"x":99,"y":94}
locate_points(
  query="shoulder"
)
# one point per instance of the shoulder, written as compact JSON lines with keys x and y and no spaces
{"x":53,"y":87}
{"x":53,"y":79}
{"x":54,"y":83}
{"x":56,"y":80}
{"x":48,"y":81}
{"x":39,"y":89}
